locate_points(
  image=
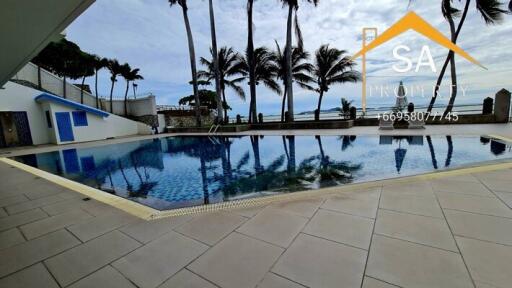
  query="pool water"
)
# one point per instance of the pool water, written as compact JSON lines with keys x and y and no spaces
{"x":175,"y":172}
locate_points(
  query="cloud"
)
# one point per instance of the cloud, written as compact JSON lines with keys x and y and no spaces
{"x":151,"y":36}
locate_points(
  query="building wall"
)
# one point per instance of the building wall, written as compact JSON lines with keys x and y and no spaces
{"x":15,"y":97}
{"x":142,"y":106}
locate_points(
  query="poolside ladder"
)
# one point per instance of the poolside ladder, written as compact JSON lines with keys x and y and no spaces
{"x":213,"y":129}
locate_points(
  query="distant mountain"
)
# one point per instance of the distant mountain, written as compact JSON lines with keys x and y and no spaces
{"x":332,"y":110}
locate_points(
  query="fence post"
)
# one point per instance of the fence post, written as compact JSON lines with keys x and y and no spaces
{"x":502,"y":106}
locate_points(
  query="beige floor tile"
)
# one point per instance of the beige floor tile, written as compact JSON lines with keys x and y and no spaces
{"x":316,"y":262}
{"x":483,"y":227}
{"x":210,"y":228}
{"x":419,"y":229}
{"x":237,"y":261}
{"x":94,"y":227}
{"x":248,"y":212}
{"x":40,"y":188}
{"x":186,"y":279}
{"x":20,"y":219}
{"x":494,"y":175}
{"x":412,"y":265}
{"x":146,"y":231}
{"x":487,"y":262}
{"x":506,"y":197}
{"x":354,"y":206}
{"x":462,"y":187}
{"x":416,"y":188}
{"x":106,"y":277}
{"x":304,"y":207}
{"x":156,"y":262}
{"x":80,"y":261}
{"x":50,"y":224}
{"x":374,"y":283}
{"x":351,"y":230}
{"x":475,"y":204}
{"x":464,"y":178}
{"x":63,"y":207}
{"x":13,"y":200}
{"x":272,"y":280}
{"x":363,"y":194}
{"x":424,"y":206}
{"x":35,"y":276}
{"x":29,"y":205}
{"x":504,"y":185}
{"x":10,"y":238}
{"x":274,"y":226}
{"x":3,"y":213}
{"x":31,"y":252}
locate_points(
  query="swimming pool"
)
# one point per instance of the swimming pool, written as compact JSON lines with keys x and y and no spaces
{"x":176,"y":172}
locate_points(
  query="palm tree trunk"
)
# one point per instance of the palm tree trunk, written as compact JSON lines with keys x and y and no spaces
{"x":216,"y":65}
{"x":64,"y":87}
{"x":454,"y":37}
{"x":283,"y":104}
{"x":82,"y":91}
{"x":126,"y":98}
{"x":111,"y":94}
{"x":39,"y":84}
{"x":453,"y":71}
{"x":317,"y":116}
{"x":224,"y":101}
{"x":193,"y":67}
{"x":250,"y":58}
{"x":288,"y":57}
{"x":96,"y":89}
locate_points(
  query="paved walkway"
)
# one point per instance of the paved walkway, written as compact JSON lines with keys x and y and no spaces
{"x":454,"y":231}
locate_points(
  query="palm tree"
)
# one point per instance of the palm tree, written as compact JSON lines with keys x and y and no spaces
{"x":293,"y":5}
{"x":98,"y":64}
{"x":332,"y":67}
{"x":129,"y":75}
{"x":86,"y":69}
{"x":300,"y":71}
{"x":228,"y":67}
{"x":251,"y":65}
{"x":115,"y":69}
{"x":491,"y":12}
{"x":192,"y":53}
{"x":216,"y":70}
{"x":265,"y":71}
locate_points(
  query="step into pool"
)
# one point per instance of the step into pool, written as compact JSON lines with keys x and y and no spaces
{"x":176,"y":172}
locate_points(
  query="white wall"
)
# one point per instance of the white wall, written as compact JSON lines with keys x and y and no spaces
{"x":136,"y":107}
{"x":16,"y":97}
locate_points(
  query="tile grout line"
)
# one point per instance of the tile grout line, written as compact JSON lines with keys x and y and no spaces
{"x":417,"y":243}
{"x":185,"y":268}
{"x":455,"y":240}
{"x":371,"y":238}
{"x":291,"y":243}
{"x":391,"y":284}
{"x":488,"y":188}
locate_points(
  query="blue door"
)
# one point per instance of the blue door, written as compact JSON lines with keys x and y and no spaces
{"x":64,"y":126}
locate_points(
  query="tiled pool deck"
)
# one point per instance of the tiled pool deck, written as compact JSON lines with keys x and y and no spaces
{"x":450,"y":231}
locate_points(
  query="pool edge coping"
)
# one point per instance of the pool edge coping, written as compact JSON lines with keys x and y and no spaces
{"x":148,"y":213}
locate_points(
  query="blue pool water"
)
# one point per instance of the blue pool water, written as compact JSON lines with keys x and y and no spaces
{"x":177,"y":172}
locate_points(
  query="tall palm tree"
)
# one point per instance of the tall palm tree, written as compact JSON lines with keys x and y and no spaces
{"x":192,"y":53}
{"x":332,"y":67}
{"x":300,"y":71}
{"x":98,"y":64}
{"x":492,"y":13}
{"x":129,"y":75}
{"x":228,"y":67}
{"x":251,"y":65}
{"x":293,"y":5}
{"x":265,"y":71}
{"x":85,"y":64}
{"x":115,"y":70}
{"x":216,"y":70}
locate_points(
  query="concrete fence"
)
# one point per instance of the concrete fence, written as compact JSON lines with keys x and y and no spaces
{"x":142,"y":106}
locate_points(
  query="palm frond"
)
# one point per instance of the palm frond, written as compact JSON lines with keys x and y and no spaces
{"x":491,"y":11}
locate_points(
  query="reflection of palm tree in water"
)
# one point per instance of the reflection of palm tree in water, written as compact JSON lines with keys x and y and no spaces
{"x":450,"y":151}
{"x":255,"y":143}
{"x":331,"y":172}
{"x":432,"y":152}
{"x":129,"y":186}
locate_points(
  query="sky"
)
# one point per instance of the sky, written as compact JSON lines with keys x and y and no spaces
{"x":150,"y":35}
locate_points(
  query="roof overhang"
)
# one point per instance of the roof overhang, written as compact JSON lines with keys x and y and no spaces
{"x":45,"y":97}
